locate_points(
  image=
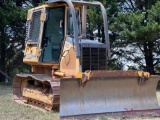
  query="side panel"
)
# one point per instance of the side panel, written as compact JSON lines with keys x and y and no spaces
{"x":69,"y":64}
{"x":32,"y":54}
{"x":35,"y":22}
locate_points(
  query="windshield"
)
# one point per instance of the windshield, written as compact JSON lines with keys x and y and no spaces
{"x":70,"y":22}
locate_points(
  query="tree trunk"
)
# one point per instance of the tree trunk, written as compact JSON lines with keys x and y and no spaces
{"x":2,"y":54}
{"x":99,"y":31}
{"x":103,"y":36}
{"x":148,"y":47}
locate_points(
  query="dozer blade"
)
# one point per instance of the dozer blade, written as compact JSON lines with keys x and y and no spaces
{"x":108,"y":91}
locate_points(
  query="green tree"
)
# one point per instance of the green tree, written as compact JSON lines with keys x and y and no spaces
{"x":12,"y":36}
{"x":95,"y":28}
{"x":134,"y":32}
{"x":137,"y":30}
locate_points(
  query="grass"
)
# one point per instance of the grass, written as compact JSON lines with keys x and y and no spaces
{"x":10,"y":110}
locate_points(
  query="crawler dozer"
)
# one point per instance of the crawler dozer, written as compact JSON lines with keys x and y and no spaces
{"x":69,"y":70}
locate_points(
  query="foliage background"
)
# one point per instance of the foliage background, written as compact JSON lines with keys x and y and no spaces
{"x":134,"y":27}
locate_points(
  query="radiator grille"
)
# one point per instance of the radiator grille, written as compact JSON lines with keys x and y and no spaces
{"x":93,"y":59}
{"x":35,"y":26}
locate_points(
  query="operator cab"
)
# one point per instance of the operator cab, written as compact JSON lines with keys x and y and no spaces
{"x":47,"y":28}
{"x":54,"y":32}
{"x":56,"y":35}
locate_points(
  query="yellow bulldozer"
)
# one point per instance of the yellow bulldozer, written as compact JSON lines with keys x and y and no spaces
{"x":69,"y":70}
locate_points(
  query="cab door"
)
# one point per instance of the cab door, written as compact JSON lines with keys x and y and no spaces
{"x":53,"y":34}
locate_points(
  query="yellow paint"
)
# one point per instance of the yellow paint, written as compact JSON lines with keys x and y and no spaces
{"x":31,"y":50}
{"x":58,"y":73}
{"x":37,"y":95}
{"x":69,"y":64}
{"x":30,"y":61}
{"x":43,"y":16}
{"x":79,"y":75}
{"x":29,"y":14}
{"x":141,"y":73}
